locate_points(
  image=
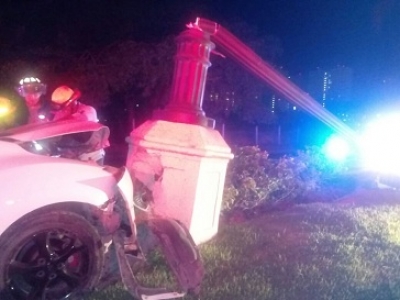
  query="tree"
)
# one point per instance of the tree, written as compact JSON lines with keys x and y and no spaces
{"x":233,"y":90}
{"x":132,"y":78}
{"x":135,"y":74}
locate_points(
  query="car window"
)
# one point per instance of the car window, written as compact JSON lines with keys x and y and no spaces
{"x":47,"y":147}
{"x":68,"y":146}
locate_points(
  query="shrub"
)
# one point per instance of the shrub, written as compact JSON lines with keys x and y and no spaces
{"x":254,"y":180}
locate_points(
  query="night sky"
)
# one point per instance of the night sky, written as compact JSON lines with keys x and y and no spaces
{"x":362,"y":34}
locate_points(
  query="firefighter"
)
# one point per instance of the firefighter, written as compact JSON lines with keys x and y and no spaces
{"x":65,"y":105}
{"x":32,"y":90}
{"x":84,"y":146}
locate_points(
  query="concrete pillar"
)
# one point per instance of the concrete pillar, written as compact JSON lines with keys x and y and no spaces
{"x":179,"y":155}
{"x":185,"y":167}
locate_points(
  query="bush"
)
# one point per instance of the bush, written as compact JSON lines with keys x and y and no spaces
{"x":255,"y":181}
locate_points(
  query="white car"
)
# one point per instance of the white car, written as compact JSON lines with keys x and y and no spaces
{"x":59,"y":217}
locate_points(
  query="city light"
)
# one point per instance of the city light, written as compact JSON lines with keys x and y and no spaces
{"x":337,"y":148}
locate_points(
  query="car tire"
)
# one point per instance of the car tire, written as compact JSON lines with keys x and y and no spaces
{"x":52,"y":255}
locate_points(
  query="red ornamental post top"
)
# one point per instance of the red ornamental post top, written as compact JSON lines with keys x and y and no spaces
{"x":191,"y":64}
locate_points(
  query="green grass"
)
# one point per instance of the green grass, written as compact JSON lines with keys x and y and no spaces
{"x":310,"y":251}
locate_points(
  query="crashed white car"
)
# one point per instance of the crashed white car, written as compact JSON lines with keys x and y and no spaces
{"x":60,"y":217}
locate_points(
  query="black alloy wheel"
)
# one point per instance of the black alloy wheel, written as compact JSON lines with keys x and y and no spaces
{"x":54,"y":256}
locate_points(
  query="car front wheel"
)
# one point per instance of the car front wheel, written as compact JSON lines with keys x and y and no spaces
{"x":54,"y":255}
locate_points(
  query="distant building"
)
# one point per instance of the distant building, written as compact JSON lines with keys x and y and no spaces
{"x":389,"y":90}
{"x":279,"y":103}
{"x":318,"y":85}
{"x":341,"y":85}
{"x":333,"y":90}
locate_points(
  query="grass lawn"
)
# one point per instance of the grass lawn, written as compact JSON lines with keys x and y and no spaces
{"x":346,"y":250}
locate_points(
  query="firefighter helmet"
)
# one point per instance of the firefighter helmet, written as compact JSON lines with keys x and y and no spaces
{"x":64,"y":94}
{"x":30,"y":85}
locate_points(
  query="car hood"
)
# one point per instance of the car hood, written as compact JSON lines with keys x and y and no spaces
{"x":41,"y":131}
